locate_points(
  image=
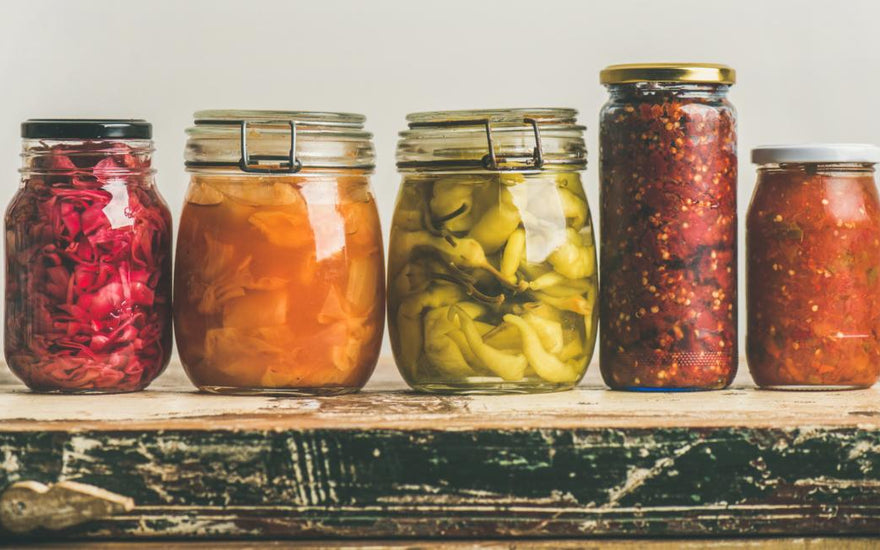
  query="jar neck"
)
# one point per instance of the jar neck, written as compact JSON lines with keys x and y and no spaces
{"x":647,"y":90}
{"x":87,"y":157}
{"x":819,"y":168}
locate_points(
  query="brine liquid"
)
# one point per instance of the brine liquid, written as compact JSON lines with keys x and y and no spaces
{"x":492,"y":282}
{"x":279,"y":283}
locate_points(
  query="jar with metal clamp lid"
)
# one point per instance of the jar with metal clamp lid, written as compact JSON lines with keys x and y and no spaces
{"x":279,"y":274}
{"x":492,"y":264}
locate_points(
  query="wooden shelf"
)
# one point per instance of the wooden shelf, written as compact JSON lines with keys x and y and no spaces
{"x":391,"y":463}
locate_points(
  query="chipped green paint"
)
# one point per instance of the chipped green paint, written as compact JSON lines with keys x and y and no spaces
{"x":480,"y":482}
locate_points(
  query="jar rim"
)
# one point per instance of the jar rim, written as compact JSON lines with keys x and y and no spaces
{"x":545,"y":115}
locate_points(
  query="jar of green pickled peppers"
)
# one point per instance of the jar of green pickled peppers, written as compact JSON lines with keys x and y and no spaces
{"x":492,"y":263}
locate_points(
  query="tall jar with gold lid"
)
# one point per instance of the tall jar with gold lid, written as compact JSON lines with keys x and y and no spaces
{"x":492,"y":268}
{"x":668,"y":224}
{"x":279,"y":274}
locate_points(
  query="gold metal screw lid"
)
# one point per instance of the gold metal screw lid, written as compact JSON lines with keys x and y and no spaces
{"x":700,"y":73}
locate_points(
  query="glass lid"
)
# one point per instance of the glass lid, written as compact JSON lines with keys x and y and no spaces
{"x":278,"y":141}
{"x":492,"y":139}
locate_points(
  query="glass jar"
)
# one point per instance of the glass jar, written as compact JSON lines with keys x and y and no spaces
{"x":88,"y":259}
{"x":668,"y":228}
{"x":279,"y":282}
{"x":813,"y":260}
{"x":492,"y":268}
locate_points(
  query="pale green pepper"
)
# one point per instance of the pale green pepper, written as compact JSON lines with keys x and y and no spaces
{"x":494,"y":227}
{"x":442,"y":351}
{"x":575,"y":258}
{"x":549,"y":331}
{"x":409,"y":322}
{"x":573,"y":207}
{"x":465,"y":252}
{"x":508,"y":366}
{"x":514,"y":253}
{"x":452,"y":201}
{"x":546,"y":365}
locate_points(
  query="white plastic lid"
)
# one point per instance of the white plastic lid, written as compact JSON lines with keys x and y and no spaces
{"x":816,"y":152}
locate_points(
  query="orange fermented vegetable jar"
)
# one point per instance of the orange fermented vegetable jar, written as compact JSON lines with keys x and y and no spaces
{"x":279,"y":270}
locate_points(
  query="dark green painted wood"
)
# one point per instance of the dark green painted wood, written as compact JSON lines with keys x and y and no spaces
{"x":462,"y":482}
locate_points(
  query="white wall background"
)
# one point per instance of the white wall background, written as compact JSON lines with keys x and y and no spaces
{"x":807,"y":69}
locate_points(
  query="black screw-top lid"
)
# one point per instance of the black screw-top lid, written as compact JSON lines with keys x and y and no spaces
{"x":79,"y":128}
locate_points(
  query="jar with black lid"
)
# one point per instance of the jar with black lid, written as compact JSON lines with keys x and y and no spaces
{"x":88,"y":259}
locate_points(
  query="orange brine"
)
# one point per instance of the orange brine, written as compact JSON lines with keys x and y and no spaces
{"x":279,"y":283}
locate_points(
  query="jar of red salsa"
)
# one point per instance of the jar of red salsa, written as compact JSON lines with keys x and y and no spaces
{"x":813,"y":260}
{"x":668,"y":228}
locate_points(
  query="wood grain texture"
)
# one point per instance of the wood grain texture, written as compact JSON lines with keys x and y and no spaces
{"x":825,"y":543}
{"x":387,"y":463}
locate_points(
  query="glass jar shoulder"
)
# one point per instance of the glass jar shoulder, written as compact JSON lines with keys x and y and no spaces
{"x":816,"y":201}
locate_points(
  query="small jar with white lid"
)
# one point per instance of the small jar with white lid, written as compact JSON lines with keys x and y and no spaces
{"x":813,"y":267}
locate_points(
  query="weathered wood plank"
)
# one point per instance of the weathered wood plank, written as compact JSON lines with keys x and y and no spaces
{"x":849,"y":543}
{"x":172,"y":402}
{"x":387,"y":463}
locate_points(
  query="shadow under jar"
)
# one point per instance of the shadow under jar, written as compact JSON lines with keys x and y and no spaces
{"x":88,"y":259}
{"x":492,"y":263}
{"x":668,"y":226}
{"x":279,"y":281}
{"x":813,"y":268}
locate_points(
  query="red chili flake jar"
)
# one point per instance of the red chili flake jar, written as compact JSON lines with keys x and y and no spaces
{"x":88,"y":259}
{"x":812,"y":265}
{"x":668,"y":228}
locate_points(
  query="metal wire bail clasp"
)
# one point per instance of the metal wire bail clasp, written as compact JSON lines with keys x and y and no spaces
{"x":490,"y":161}
{"x":286,"y":164}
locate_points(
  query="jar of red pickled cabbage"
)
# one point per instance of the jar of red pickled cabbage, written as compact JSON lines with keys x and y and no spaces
{"x":280,"y":266}
{"x":88,"y":259}
{"x":813,"y":260}
{"x":668,"y":228}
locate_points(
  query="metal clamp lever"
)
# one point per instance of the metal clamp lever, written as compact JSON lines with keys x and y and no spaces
{"x":287,"y":164}
{"x":490,"y":161}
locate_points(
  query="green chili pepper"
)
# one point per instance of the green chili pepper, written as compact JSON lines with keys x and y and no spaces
{"x":572,"y":349}
{"x":464,"y":252}
{"x":451,"y":202}
{"x":409,"y":322}
{"x":442,"y":351}
{"x":574,"y":208}
{"x":546,"y":365}
{"x":549,"y":331}
{"x":556,"y":284}
{"x":504,"y":337}
{"x":582,"y":305}
{"x":575,"y":258}
{"x":514,"y":253}
{"x":508,"y":366}
{"x":495,"y":226}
